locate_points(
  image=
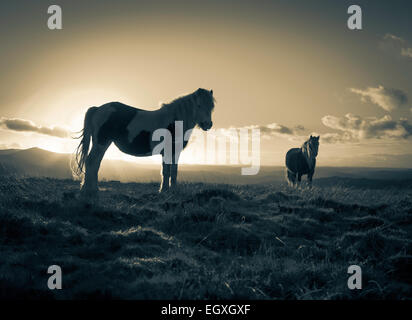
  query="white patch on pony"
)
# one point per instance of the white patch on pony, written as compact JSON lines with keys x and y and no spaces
{"x":100,"y":118}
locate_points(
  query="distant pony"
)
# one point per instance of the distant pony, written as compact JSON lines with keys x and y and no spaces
{"x":131,"y":130}
{"x":300,"y":161}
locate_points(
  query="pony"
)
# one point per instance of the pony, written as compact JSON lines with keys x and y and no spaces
{"x":300,"y":161}
{"x":133,"y":131}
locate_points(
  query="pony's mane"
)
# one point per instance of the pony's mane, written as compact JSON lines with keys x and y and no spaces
{"x":184,"y":100}
{"x":179,"y":101}
{"x":183,"y":106}
{"x":308,"y":154}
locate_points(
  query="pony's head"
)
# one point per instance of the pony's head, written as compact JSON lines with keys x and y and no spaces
{"x":313,"y":144}
{"x":204,"y":105}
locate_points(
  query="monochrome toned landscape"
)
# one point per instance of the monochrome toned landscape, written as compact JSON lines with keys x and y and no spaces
{"x":206,"y":240}
{"x":104,"y":103}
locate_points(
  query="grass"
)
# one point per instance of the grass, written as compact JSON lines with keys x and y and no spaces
{"x":203,"y":241}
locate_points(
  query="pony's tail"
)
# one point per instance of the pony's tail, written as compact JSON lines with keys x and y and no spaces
{"x":82,"y":149}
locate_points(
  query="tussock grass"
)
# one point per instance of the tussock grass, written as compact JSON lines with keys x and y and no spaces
{"x":203,"y":241}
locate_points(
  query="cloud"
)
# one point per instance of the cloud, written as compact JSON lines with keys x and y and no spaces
{"x":332,"y":138}
{"x":354,"y":128}
{"x":23,"y":125}
{"x":396,"y":45}
{"x":388,"y":99}
{"x":390,"y":36}
{"x":274,"y":129}
{"x":406,"y":52}
{"x":13,"y":145}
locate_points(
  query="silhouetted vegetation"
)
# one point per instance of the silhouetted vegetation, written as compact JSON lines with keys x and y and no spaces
{"x":203,"y":241}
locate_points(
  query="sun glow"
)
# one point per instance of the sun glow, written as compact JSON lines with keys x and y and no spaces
{"x":55,"y":145}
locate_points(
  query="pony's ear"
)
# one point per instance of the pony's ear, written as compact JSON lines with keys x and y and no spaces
{"x":311,"y":136}
{"x":211,"y":92}
{"x":318,"y":137}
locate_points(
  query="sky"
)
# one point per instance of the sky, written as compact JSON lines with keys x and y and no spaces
{"x":289,"y":68}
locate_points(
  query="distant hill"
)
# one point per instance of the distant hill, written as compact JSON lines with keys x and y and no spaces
{"x":34,"y":162}
{"x":41,"y":163}
{"x":37,"y":162}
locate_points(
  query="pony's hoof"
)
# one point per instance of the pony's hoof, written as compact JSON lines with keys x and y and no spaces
{"x":88,"y":196}
{"x":88,"y":193}
{"x":164,"y":190}
{"x":173,"y":187}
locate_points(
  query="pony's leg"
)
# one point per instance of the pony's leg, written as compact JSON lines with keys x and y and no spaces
{"x":165,"y":177}
{"x":92,"y":168}
{"x":299,"y":178}
{"x":291,"y":178}
{"x":310,"y":176}
{"x":173,"y":175}
{"x":173,"y":172}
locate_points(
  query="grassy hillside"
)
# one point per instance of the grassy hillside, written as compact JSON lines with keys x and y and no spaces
{"x":204,"y":241}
